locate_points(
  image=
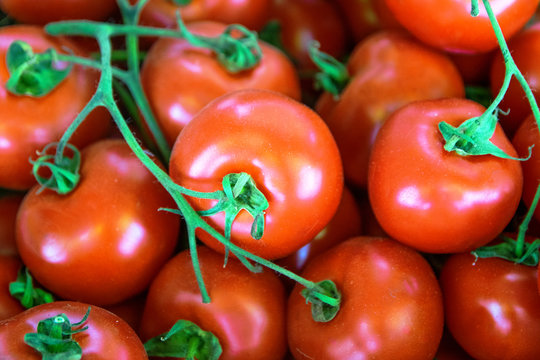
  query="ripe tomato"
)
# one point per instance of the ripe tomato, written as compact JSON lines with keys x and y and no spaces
{"x":200,"y":78}
{"x":105,"y":241}
{"x":388,"y":70}
{"x":28,"y":123}
{"x":448,"y":24}
{"x":9,"y":267}
{"x":492,"y":307}
{"x":416,"y":187}
{"x":45,"y":11}
{"x":526,"y":136}
{"x":108,"y":337}
{"x":524,"y":47}
{"x":284,"y":146}
{"x":9,"y":206}
{"x":246,"y":312}
{"x":251,"y":14}
{"x":391,"y":305}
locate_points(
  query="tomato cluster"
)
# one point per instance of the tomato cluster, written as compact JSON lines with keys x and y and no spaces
{"x":269,"y":179}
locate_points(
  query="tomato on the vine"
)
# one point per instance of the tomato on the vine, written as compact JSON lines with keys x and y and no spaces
{"x":105,"y":241}
{"x":285,"y":147}
{"x":435,"y":200}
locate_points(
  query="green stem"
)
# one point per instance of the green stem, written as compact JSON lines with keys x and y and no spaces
{"x":520,"y":241}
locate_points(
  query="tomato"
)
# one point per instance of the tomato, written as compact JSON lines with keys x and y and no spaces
{"x":9,"y":267}
{"x":200,"y":78}
{"x":105,"y":241}
{"x":45,"y":11}
{"x":527,"y":135}
{"x":28,"y":123}
{"x":474,"y":67}
{"x":162,"y":13}
{"x":434,"y":200}
{"x":448,"y":24}
{"x":9,"y":205}
{"x":388,"y":70}
{"x":391,"y":304}
{"x":449,"y":349}
{"x":524,"y":47}
{"x":285,"y":147}
{"x":492,"y":307}
{"x":346,"y":223}
{"x":246,"y":312}
{"x":108,"y":337}
{"x":130,"y":310}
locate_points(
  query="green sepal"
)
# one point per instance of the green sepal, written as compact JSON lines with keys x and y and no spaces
{"x":181,"y":2}
{"x":507,"y":250}
{"x":23,"y":290}
{"x":185,"y":340}
{"x":333,"y":76}
{"x":33,"y":74}
{"x":325,"y":300}
{"x":54,"y":338}
{"x":473,"y":136}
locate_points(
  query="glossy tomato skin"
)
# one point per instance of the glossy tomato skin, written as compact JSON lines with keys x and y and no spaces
{"x":251,"y":14}
{"x":448,"y":24}
{"x":526,"y":136}
{"x":45,"y":11}
{"x":524,"y":48}
{"x":285,"y":147}
{"x":28,"y":124}
{"x":246,"y":312}
{"x":9,"y":267}
{"x":108,"y":337}
{"x":388,"y":70}
{"x":105,"y":241}
{"x":391,"y":305}
{"x":438,"y":201}
{"x":492,"y":307}
{"x":9,"y":206}
{"x":199,"y":77}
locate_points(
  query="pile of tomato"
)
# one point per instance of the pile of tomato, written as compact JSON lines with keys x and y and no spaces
{"x":388,"y":176}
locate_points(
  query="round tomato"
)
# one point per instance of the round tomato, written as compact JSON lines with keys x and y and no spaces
{"x":246,"y":312}
{"x":30,"y":123}
{"x":9,"y":206}
{"x":492,"y":307}
{"x":9,"y":267}
{"x":107,"y":337}
{"x":199,"y":77}
{"x":104,"y":241}
{"x":391,"y":305}
{"x":388,"y":70}
{"x":434,"y":200}
{"x":449,"y":25}
{"x":285,"y":147}
{"x":162,"y":13}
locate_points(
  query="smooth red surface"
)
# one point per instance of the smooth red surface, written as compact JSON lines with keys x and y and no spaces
{"x":434,"y":200}
{"x":391,"y":305}
{"x":106,"y":240}
{"x":246,"y":312}
{"x":284,"y":146}
{"x":108,"y":337}
{"x":492,"y":307}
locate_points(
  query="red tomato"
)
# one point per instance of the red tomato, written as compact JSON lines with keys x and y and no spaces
{"x":388,"y":70}
{"x":448,"y":24}
{"x":200,"y":78}
{"x":474,"y":67}
{"x":107,"y":338}
{"x":45,"y":11}
{"x":524,"y":48}
{"x":284,"y":146}
{"x":9,"y":267}
{"x":449,"y":349}
{"x":492,"y":307}
{"x":526,"y":136}
{"x":391,"y":305}
{"x":130,"y":310}
{"x":246,"y":312}
{"x":434,"y":200}
{"x":9,"y":205}
{"x":28,"y":124}
{"x":162,"y":13}
{"x":105,"y":241}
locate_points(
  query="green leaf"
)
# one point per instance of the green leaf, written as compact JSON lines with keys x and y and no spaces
{"x":325,"y":300}
{"x":23,"y":290}
{"x":185,"y":340}
{"x":33,"y":74}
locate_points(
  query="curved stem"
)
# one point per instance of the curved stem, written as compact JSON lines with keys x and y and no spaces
{"x":520,"y":243}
